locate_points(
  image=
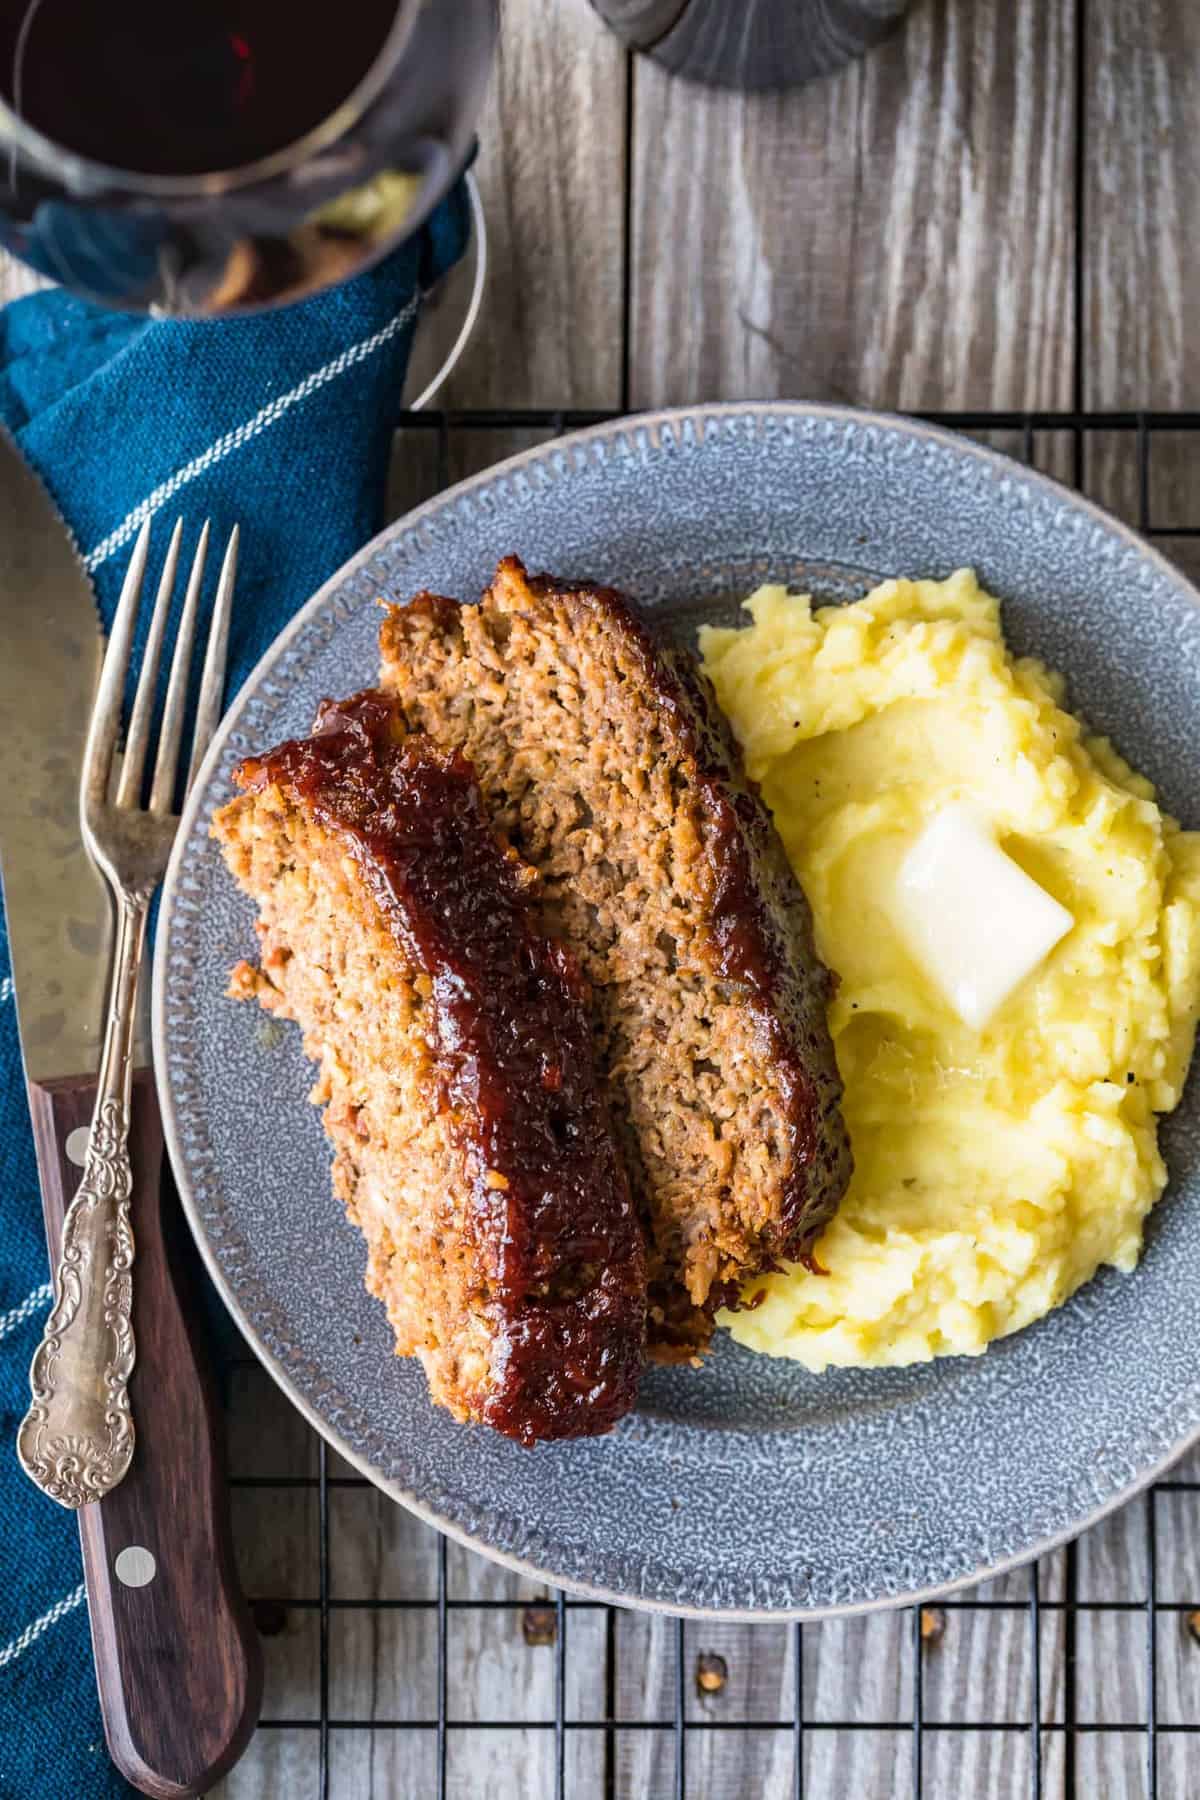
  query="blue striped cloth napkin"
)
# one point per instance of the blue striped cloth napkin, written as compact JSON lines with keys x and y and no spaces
{"x":282,"y":421}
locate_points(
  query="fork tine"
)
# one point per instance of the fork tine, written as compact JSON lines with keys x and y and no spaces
{"x":106,"y":713}
{"x":212,"y":685}
{"x":129,"y":788}
{"x":176,"y":701}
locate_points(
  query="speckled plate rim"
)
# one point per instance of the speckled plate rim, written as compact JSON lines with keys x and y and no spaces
{"x":671,"y":419}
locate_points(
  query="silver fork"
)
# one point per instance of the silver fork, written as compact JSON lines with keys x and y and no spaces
{"x":76,"y":1440}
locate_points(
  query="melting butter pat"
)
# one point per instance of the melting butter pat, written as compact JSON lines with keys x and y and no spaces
{"x":973,"y":919}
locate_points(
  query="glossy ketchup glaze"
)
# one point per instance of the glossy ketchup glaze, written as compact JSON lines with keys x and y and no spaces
{"x":547,"y":1203}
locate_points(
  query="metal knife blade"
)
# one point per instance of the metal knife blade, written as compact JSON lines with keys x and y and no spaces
{"x":59,"y":922}
{"x":178,"y":1663}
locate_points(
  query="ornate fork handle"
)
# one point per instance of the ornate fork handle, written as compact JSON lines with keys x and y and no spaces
{"x":76,"y":1440}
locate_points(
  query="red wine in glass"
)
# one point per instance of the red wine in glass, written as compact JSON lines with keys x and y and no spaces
{"x":208,"y":156}
{"x":184,"y":87}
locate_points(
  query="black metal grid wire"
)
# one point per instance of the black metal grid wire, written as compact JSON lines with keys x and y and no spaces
{"x":1021,"y":432}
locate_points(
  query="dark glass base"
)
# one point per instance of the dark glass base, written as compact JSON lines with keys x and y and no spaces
{"x":754,"y":44}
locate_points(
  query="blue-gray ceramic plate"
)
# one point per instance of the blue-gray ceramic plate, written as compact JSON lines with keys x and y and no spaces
{"x":749,"y":1488}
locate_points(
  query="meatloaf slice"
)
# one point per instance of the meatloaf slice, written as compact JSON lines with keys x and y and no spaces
{"x":607,"y":765}
{"x":473,"y":1144}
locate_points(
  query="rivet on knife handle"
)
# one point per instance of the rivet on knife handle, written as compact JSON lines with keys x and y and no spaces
{"x":76,"y":1440}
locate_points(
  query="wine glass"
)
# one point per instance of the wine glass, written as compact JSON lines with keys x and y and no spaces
{"x":205,"y":157}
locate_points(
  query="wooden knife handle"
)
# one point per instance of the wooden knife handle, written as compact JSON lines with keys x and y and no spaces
{"x":178,"y":1661}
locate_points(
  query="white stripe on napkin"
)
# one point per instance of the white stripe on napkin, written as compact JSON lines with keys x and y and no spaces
{"x":242,"y":434}
{"x":32,"y":1633}
{"x":30,"y":1304}
{"x":6,"y":990}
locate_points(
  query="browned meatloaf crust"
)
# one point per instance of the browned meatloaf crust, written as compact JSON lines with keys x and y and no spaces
{"x":608,"y":766}
{"x":473,"y":1144}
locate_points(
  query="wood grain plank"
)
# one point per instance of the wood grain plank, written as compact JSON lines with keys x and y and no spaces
{"x":1142,"y":174}
{"x":1113,"y":1764}
{"x":851,"y":1765}
{"x":1111,"y":1558}
{"x":473,"y":1577}
{"x":740,"y":1762}
{"x":1177,"y":1562}
{"x":503,"y":1765}
{"x":901,"y":233}
{"x":755,"y":1665}
{"x":379,"y":1765}
{"x":378,"y":1550}
{"x":552,"y":178}
{"x":1052,"y":1638}
{"x":1176,"y":1764}
{"x":987,"y":1765}
{"x":859,"y":1670}
{"x":1054,"y":1768}
{"x":278,"y":1762}
{"x":383,"y":1664}
{"x":1110,"y":1681}
{"x":276,"y":1543}
{"x":266,"y":1437}
{"x":979,"y":1669}
{"x":494,"y":1672}
{"x":1177,"y":1653}
{"x":644,"y":1691}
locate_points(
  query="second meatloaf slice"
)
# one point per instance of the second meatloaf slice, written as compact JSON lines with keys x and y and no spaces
{"x":473,"y":1143}
{"x":607,"y":766}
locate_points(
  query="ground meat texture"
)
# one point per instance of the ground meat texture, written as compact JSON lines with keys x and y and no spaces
{"x":607,"y":765}
{"x":473,"y":1144}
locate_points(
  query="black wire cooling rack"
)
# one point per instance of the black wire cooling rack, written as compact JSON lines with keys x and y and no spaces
{"x":1065,"y":441}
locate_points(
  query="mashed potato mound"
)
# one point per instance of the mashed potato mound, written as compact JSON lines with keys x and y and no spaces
{"x":995,"y":1170}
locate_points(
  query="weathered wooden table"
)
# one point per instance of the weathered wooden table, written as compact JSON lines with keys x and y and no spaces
{"x":997,"y":212}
